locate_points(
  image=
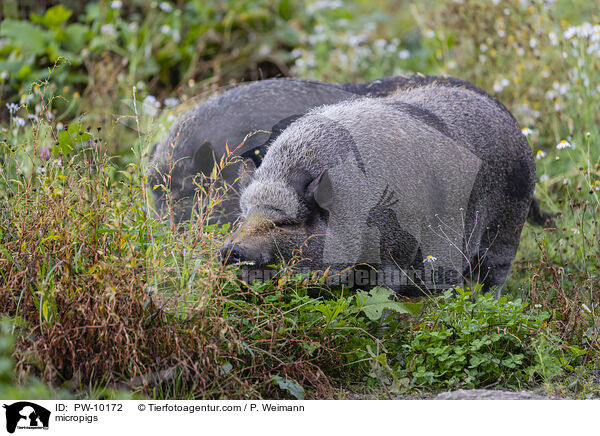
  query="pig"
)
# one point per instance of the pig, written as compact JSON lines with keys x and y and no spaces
{"x":198,"y":139}
{"x":426,"y":188}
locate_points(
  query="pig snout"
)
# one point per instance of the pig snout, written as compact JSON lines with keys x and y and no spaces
{"x":232,"y":253}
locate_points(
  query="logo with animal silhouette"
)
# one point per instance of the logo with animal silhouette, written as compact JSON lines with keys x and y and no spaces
{"x":26,"y":415}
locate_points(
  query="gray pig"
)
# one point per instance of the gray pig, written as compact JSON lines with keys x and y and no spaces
{"x":422,"y":189}
{"x":199,"y":137}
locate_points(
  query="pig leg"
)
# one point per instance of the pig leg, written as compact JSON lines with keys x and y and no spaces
{"x":495,"y":259}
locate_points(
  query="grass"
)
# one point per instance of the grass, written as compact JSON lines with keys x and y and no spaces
{"x":102,"y":300}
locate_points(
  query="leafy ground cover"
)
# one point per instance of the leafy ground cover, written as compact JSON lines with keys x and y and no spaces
{"x":102,"y":300}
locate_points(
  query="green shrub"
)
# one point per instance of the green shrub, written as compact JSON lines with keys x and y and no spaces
{"x":476,"y":342}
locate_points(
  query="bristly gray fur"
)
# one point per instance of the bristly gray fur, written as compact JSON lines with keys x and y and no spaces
{"x":199,"y":137}
{"x":446,"y":153}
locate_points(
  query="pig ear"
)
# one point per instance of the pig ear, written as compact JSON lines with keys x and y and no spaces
{"x":246,"y":172}
{"x":204,"y":160}
{"x":321,"y":190}
{"x":281,"y":125}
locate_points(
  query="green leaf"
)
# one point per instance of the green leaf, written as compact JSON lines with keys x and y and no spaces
{"x":24,"y":72}
{"x":286,"y":10}
{"x":12,"y":66}
{"x":378,"y":299}
{"x":29,"y":37}
{"x":290,"y":385}
{"x":75,"y":37}
{"x":45,"y":310}
{"x":54,"y":17}
{"x":226,"y":368}
{"x":68,"y":139}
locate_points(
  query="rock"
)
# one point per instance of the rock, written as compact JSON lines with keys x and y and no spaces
{"x":487,"y":394}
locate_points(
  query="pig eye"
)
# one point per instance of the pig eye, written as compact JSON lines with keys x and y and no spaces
{"x":286,"y":225}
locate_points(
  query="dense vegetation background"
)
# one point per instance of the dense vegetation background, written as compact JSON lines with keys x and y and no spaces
{"x":101,"y":300}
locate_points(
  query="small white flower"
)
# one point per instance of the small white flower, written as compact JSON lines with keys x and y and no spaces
{"x":540,"y":154}
{"x":4,"y":75}
{"x":380,"y":43}
{"x":116,"y":4}
{"x":429,"y":259}
{"x":165,"y":6}
{"x":564,"y":144}
{"x":566,"y":181}
{"x":527,"y":131}
{"x":192,"y":82}
{"x":323,"y":4}
{"x":404,"y":54}
{"x":108,"y":29}
{"x":60,"y":126}
{"x":575,"y":231}
{"x":171,"y":118}
{"x":429,"y":33}
{"x":165,"y":28}
{"x":171,"y":102}
{"x":483,"y":48}
{"x":451,"y":65}
{"x":12,"y":108}
{"x":176,"y":35}
{"x":561,"y":270}
{"x":544,"y":178}
{"x":40,"y":170}
{"x":26,"y":98}
{"x":151,"y":100}
{"x":537,"y":306}
{"x":19,"y":121}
